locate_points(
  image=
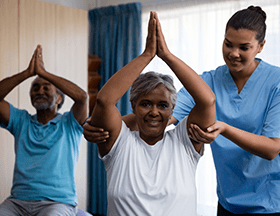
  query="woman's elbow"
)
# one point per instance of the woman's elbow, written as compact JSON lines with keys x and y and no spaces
{"x":271,"y":156}
{"x":273,"y":152}
{"x":211,"y":101}
{"x":102,"y":101}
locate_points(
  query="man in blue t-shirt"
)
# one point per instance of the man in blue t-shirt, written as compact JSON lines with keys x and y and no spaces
{"x":46,"y":144}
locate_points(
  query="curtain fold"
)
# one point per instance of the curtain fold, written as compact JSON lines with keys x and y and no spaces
{"x":115,"y":36}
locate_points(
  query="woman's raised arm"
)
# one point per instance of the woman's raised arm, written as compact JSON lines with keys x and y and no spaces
{"x":203,"y":113}
{"x":105,"y":114}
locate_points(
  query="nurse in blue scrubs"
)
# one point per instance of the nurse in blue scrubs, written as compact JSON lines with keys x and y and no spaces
{"x":245,"y":137}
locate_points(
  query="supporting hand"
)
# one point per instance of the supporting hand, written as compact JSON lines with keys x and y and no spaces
{"x":198,"y":135}
{"x":94,"y":134}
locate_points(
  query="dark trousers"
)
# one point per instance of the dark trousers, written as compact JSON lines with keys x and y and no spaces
{"x":224,"y":212}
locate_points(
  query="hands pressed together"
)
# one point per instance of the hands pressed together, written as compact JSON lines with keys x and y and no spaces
{"x":155,"y":45}
{"x":36,"y":65}
{"x":155,"y":42}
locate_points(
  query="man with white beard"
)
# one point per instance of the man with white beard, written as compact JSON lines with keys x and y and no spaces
{"x":46,"y":144}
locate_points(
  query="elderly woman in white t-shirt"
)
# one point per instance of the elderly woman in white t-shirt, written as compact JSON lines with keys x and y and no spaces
{"x":150,"y":171}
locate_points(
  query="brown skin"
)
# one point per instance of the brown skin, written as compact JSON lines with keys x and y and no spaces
{"x":78,"y":95}
{"x":45,"y":99}
{"x":153,"y":112}
{"x":36,"y":67}
{"x":8,"y":84}
{"x":106,"y":115}
{"x":239,"y":49}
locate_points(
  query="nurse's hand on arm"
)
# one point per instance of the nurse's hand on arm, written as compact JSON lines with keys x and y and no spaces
{"x":94,"y":134}
{"x":262,"y":146}
{"x":98,"y":135}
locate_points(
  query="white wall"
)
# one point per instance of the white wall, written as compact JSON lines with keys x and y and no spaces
{"x":91,"y":4}
{"x":80,"y":4}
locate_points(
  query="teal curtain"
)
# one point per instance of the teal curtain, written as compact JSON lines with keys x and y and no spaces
{"x":115,"y":37}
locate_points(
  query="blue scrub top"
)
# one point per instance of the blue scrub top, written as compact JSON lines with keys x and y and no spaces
{"x":246,"y":183}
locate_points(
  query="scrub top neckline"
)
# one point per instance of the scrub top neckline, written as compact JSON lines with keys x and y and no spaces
{"x":248,"y":85}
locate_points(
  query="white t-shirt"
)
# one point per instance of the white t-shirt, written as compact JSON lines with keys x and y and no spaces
{"x":152,"y":180}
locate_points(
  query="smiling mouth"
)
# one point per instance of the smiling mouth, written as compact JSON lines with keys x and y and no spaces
{"x":153,"y":122}
{"x":234,"y":62}
{"x":40,"y":97}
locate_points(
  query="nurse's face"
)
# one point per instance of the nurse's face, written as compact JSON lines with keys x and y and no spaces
{"x":240,"y":48}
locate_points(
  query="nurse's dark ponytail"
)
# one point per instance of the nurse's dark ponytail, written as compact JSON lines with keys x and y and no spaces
{"x":252,"y":18}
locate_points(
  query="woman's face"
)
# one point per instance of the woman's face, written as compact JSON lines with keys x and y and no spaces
{"x":239,"y":50}
{"x":153,"y":112}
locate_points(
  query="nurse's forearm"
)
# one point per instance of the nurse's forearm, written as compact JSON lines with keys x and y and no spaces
{"x":262,"y":146}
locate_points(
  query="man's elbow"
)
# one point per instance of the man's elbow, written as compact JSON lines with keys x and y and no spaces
{"x":83,"y":97}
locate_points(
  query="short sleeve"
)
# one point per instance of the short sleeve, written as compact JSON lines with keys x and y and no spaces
{"x":182,"y":134}
{"x":118,"y":148}
{"x":271,"y":126}
{"x":18,"y":117}
{"x":184,"y":104}
{"x":185,"y":101}
{"x":72,"y":121}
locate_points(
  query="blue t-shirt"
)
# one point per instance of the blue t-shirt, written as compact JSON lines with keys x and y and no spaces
{"x":246,"y":183}
{"x":46,"y":156}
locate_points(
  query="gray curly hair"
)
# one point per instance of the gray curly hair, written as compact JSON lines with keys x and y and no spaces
{"x":147,"y":82}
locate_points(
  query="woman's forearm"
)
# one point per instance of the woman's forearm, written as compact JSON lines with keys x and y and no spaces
{"x":265,"y":147}
{"x":203,"y":96}
{"x":121,"y":81}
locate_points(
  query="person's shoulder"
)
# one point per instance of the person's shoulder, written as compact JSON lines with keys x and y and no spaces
{"x":19,"y":112}
{"x":67,"y":118}
{"x":180,"y":128}
{"x":217,"y":71}
{"x":267,"y":66}
{"x":19,"y":118}
{"x":125,"y":130}
{"x":126,"y":139}
{"x":270,"y":74}
{"x":216,"y":75}
{"x":68,"y":114}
